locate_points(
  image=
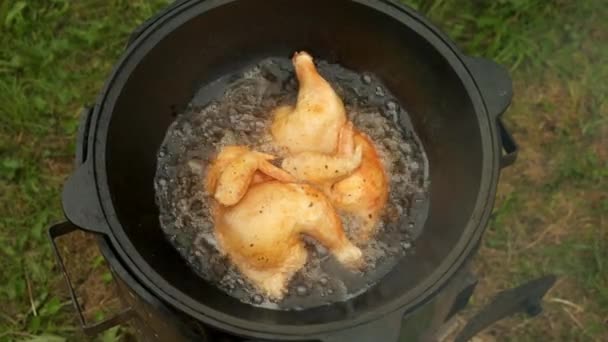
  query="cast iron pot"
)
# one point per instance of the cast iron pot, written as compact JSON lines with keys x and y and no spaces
{"x":454,"y":101}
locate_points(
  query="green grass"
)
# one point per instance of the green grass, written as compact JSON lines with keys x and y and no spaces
{"x":54,"y":57}
{"x":551,"y":214}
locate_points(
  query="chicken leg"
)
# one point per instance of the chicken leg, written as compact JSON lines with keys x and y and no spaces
{"x":315,"y":122}
{"x":327,"y":151}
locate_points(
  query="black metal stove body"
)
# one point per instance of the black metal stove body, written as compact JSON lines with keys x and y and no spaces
{"x":153,"y":321}
{"x":456,"y":104}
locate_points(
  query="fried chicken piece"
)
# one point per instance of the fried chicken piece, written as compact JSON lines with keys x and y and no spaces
{"x":364,"y":193}
{"x":260,"y":218}
{"x":326,"y":169}
{"x":262,"y":233}
{"x":315,"y":122}
{"x":354,"y":180}
{"x":328,"y":152}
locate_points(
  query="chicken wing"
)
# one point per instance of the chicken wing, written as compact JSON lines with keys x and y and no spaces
{"x":313,"y":125}
{"x":261,"y":234}
{"x":235,"y":168}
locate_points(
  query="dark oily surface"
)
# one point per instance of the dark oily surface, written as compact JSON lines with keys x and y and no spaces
{"x":237,"y":109}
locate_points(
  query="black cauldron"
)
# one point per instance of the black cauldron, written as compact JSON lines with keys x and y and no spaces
{"x":455,"y":102}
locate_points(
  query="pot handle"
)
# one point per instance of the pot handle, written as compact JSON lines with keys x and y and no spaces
{"x":386,"y":329}
{"x":90,"y":329}
{"x":496,"y":88}
{"x":80,"y":199}
{"x":526,"y":298}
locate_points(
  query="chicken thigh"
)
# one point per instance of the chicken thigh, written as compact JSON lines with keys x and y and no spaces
{"x":314,"y":123}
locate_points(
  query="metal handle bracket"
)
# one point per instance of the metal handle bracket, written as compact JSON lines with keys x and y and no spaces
{"x":509,"y":146}
{"x":90,"y":329}
{"x":526,"y":298}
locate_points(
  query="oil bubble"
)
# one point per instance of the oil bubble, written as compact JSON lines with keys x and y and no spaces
{"x":301,"y":290}
{"x":257,"y":299}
